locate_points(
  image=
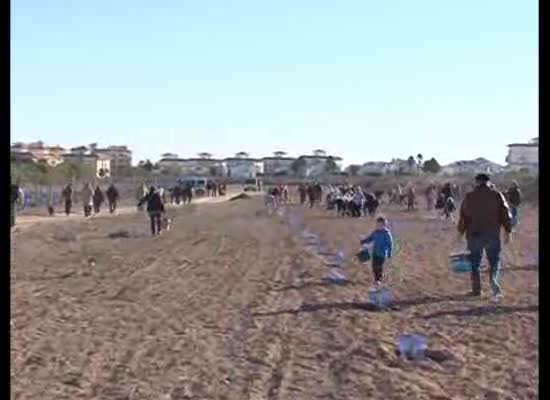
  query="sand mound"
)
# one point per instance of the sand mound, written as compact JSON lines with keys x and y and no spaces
{"x":240,"y":196}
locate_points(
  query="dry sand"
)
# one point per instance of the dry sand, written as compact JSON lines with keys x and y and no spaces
{"x":229,"y":305}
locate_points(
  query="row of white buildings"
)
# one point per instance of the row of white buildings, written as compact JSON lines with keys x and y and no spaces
{"x":102,"y":162}
{"x":521,"y":156}
{"x":113,"y":159}
{"x":242,"y":166}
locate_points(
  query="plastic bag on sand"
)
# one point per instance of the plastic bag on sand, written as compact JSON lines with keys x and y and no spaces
{"x":336,"y":259}
{"x":380,"y":297}
{"x":412,"y":346}
{"x":336,"y":276}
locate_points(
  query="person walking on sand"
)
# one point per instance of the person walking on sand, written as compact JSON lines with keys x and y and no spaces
{"x":50,"y":203}
{"x":358,"y":201}
{"x":162,"y":194}
{"x":302,"y":193}
{"x":98,"y":199}
{"x":87,"y":199}
{"x":430,"y":197}
{"x":449,"y":209}
{"x":15,"y":200}
{"x":484,"y":212}
{"x":411,"y":198}
{"x":67,"y":195}
{"x":399,"y":194}
{"x":311,"y":194}
{"x":141,"y":192}
{"x":514,"y":199}
{"x":155,"y":208}
{"x":285,"y":193}
{"x":382,"y":247}
{"x":447,"y":191}
{"x":112,"y":197}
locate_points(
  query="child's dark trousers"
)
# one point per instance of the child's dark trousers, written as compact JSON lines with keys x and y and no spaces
{"x":378,"y":267}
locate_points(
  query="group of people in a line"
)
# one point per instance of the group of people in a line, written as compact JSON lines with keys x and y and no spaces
{"x":181,"y":194}
{"x":312,"y":192}
{"x":215,"y":189}
{"x":92,"y":199}
{"x":399,"y":196}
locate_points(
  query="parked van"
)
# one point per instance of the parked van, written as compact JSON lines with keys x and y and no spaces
{"x":198,"y":184}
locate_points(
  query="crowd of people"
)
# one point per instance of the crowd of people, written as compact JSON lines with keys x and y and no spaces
{"x":93,"y":198}
{"x":484,"y":212}
{"x":352,"y":201}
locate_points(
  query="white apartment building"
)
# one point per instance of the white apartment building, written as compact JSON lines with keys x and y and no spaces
{"x":523,"y":156}
{"x":273,"y":166}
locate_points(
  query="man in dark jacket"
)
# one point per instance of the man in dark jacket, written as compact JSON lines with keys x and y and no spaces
{"x":155,"y":208}
{"x":514,"y":199}
{"x":371,"y":204}
{"x":98,"y":199}
{"x":447,"y":191}
{"x":302,"y":191}
{"x":112,"y":197}
{"x":187,"y":193}
{"x":67,"y":195}
{"x":483,"y":213}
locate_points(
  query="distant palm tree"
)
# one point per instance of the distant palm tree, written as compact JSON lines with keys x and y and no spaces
{"x":242,"y":154}
{"x":205,"y":155}
{"x":279,"y":153}
{"x":432,"y":166}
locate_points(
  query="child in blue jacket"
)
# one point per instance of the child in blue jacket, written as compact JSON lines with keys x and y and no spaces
{"x":382,"y":247}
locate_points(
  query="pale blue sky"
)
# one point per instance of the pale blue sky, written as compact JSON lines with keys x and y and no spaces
{"x":366,"y":80}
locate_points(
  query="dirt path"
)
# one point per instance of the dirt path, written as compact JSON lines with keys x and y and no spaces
{"x":77,"y":214}
{"x":230,"y":305}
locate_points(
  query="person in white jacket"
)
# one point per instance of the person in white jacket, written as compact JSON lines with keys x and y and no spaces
{"x":358,"y":201}
{"x":87,"y":199}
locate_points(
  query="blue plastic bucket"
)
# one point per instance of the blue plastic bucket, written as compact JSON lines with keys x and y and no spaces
{"x":460,"y":263}
{"x":363,"y":255}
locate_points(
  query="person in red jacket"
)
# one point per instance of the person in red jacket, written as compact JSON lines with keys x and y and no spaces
{"x":484,"y":212}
